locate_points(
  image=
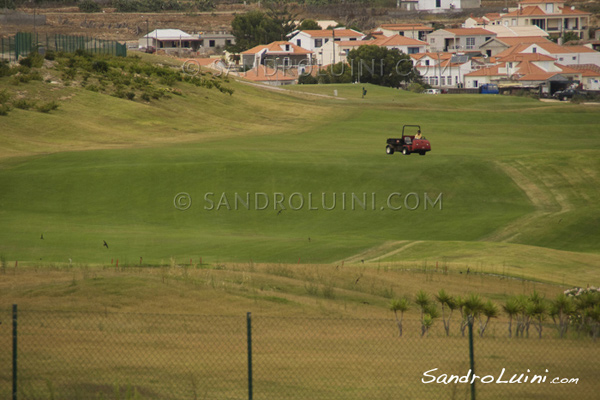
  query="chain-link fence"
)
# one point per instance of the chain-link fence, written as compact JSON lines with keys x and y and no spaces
{"x":80,"y":355}
{"x":23,"y":43}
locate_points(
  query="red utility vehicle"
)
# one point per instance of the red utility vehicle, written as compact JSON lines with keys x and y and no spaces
{"x":407,"y":144}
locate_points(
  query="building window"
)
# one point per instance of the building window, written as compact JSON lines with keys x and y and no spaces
{"x":470,"y":42}
{"x":426,"y":62}
{"x":443,"y":80}
{"x":449,"y":80}
{"x":211,"y":43}
{"x":432,"y":40}
{"x":475,"y":84}
{"x":352,"y":39}
{"x":438,"y":3}
{"x":413,"y":50}
{"x":287,"y":47}
{"x":299,"y":42}
{"x":228,"y":42}
{"x":318,"y":42}
{"x":574,"y":58}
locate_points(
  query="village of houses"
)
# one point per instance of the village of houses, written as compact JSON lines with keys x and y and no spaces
{"x":511,"y":50}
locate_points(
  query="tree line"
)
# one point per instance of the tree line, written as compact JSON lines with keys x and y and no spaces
{"x":576,"y":309}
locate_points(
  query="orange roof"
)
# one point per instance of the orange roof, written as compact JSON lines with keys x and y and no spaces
{"x":535,"y":10}
{"x":511,"y":41}
{"x":268,"y":74}
{"x":276,"y":47}
{"x":469,"y":31}
{"x":540,"y":1}
{"x":406,"y":27}
{"x":529,"y":10}
{"x":490,"y":71}
{"x":356,"y":43}
{"x":492,"y":16}
{"x":399,"y":40}
{"x":327,"y":33}
{"x":528,"y":57}
{"x":547,"y":45}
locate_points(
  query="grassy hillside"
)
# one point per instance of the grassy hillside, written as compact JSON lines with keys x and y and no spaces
{"x":100,"y":168}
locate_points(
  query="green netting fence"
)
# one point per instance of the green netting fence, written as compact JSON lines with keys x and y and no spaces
{"x":23,"y":43}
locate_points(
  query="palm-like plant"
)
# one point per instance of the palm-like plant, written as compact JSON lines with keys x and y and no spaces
{"x":561,"y":310}
{"x":446,"y":301}
{"x":401,"y":305}
{"x":488,"y":310}
{"x":512,"y":308}
{"x":428,"y":311}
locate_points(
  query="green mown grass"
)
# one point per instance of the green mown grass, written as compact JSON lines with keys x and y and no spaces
{"x":103,"y":168}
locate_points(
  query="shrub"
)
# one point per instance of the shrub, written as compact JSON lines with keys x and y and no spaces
{"x":50,"y":55}
{"x":4,"y":96}
{"x":47,"y":107}
{"x":89,"y":6}
{"x":4,"y":68}
{"x":23,"y":104}
{"x":416,"y":87}
{"x":145,"y":96}
{"x":130,"y":95}
{"x":100,"y":66}
{"x":34,"y":60}
{"x":4,"y":109}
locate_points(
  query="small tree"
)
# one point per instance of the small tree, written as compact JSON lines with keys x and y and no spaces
{"x":488,"y":310}
{"x":561,"y":310}
{"x":428,"y":311}
{"x":511,"y":308}
{"x":449,"y":303}
{"x":309,"y":25}
{"x":401,"y":305}
{"x":472,"y":308}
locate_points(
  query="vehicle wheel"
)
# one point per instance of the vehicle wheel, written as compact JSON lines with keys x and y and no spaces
{"x":405,"y":151}
{"x":389,"y":150}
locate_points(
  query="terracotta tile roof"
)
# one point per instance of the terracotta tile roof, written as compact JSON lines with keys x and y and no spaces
{"x":511,"y":41}
{"x":327,"y":33}
{"x":489,"y":71}
{"x":587,"y":69}
{"x":535,"y":10}
{"x":528,"y":57}
{"x":356,"y":43}
{"x":470,"y":31}
{"x":529,"y":10}
{"x":406,"y":27}
{"x":540,"y":1}
{"x":399,"y":40}
{"x":276,"y":48}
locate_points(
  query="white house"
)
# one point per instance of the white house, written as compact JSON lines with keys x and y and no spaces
{"x":443,"y":70}
{"x":413,"y":31}
{"x":313,"y":40}
{"x":447,"y":5}
{"x":565,"y":55}
{"x":532,"y":70}
{"x":276,"y":54}
{"x":170,"y":39}
{"x":459,"y":40}
{"x":334,"y":52}
{"x":550,"y":15}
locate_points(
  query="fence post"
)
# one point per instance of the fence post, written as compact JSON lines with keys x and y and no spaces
{"x":249,"y":326}
{"x":14,"y":355}
{"x":471,"y":357}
